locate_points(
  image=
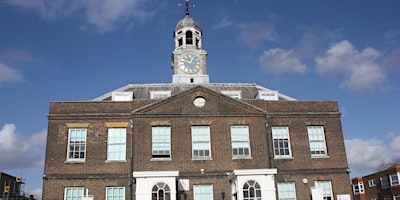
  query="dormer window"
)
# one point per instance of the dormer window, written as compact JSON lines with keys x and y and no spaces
{"x":122,"y":96}
{"x":268,"y":95}
{"x":160,"y":94}
{"x":233,"y":94}
{"x":189,"y":37}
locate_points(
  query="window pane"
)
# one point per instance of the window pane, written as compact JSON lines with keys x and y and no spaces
{"x":317,"y":140}
{"x":201,"y":141}
{"x":280,"y":135}
{"x":385,"y":182}
{"x":240,"y":140}
{"x":203,"y":192}
{"x":326,"y":187}
{"x":161,"y":191}
{"x":251,"y":190}
{"x":116,"y":146}
{"x":76,"y":144}
{"x":394,"y":179}
{"x":161,"y":141}
{"x":73,"y":193}
{"x":286,"y":191}
{"x":115,"y":193}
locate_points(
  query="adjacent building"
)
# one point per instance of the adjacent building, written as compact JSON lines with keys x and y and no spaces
{"x":11,"y":187}
{"x":383,"y":185}
{"x":193,"y":139}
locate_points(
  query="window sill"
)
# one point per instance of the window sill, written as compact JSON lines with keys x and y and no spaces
{"x":242,"y":158}
{"x":74,"y":162}
{"x":161,"y":159}
{"x":116,"y":161}
{"x":320,"y":156}
{"x":284,"y":158}
{"x":202,"y":158}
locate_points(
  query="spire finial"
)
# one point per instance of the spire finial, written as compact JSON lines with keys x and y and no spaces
{"x":187,"y":7}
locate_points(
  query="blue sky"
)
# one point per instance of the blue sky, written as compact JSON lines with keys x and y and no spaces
{"x":347,"y":51}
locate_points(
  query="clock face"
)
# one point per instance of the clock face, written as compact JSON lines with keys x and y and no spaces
{"x":199,"y":102}
{"x":190,"y":63}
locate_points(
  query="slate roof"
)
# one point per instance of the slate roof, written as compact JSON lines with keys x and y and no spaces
{"x":142,"y":91}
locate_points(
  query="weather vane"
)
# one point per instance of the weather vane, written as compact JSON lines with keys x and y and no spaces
{"x":187,"y":6}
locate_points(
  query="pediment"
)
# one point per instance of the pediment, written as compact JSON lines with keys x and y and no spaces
{"x":183,"y":104}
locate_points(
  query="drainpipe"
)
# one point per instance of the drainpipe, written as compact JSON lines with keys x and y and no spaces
{"x":131,"y":166}
{"x":270,"y":146}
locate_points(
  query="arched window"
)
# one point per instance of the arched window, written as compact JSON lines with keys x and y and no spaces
{"x":189,"y":37}
{"x":251,"y":191}
{"x":197,"y":43}
{"x":160,"y":191}
{"x":180,"y":42}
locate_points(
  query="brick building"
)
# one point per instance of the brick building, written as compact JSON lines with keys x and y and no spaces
{"x":382,"y":185}
{"x":192,"y":139}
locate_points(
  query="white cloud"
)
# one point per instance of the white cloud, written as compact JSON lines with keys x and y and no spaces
{"x":253,"y":34}
{"x":224,"y":23}
{"x":278,"y":61}
{"x":313,"y":40}
{"x":364,"y":156}
{"x":102,"y":14}
{"x":18,"y":152}
{"x":8,"y":74}
{"x":395,"y":141}
{"x":392,"y":61}
{"x":391,"y":37}
{"x":360,"y":69}
{"x":19,"y":55}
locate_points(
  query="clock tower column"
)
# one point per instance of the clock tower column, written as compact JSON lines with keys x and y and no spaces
{"x":188,"y":58}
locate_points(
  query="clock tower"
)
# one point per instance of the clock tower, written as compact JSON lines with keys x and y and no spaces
{"x":188,"y":57}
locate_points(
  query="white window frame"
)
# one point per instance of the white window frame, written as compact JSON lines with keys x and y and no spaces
{"x":268,"y":95}
{"x":372,"y":183}
{"x":161,"y":142}
{"x":317,"y":141}
{"x":280,"y":135}
{"x":115,"y":197}
{"x":122,"y":96}
{"x":201,"y":142}
{"x":201,"y":192}
{"x":327,"y":191}
{"x":396,"y":197}
{"x":160,"y":94}
{"x":78,"y":189}
{"x":240,"y":140}
{"x":79,"y":144}
{"x":286,"y":191}
{"x":385,"y":182}
{"x":236,"y":94}
{"x":358,"y":188}
{"x":394,"y":179}
{"x":165,"y":188}
{"x":256,"y":187}
{"x":116,"y":144}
